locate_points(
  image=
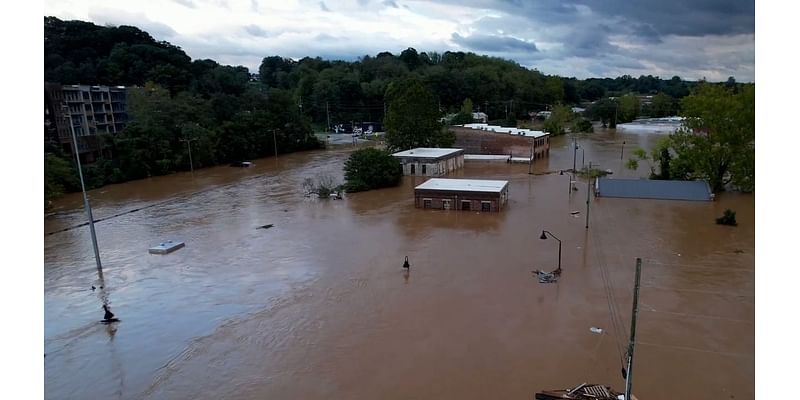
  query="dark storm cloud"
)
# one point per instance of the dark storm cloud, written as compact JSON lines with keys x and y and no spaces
{"x":390,"y":3}
{"x":323,"y":7}
{"x":493,"y":43}
{"x":256,"y":30}
{"x":676,"y":17}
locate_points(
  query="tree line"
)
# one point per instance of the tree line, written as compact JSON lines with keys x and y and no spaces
{"x":228,"y":115}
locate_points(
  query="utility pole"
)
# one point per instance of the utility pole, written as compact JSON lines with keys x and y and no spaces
{"x":328,"y":113}
{"x":574,"y":151}
{"x":85,"y":197}
{"x":623,"y":150}
{"x":486,"y":105}
{"x":275,"y":143}
{"x":588,"y":192}
{"x":189,"y":145}
{"x":629,"y":368}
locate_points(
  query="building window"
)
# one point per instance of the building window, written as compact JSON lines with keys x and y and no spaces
{"x":413,"y":169}
{"x":424,"y":169}
{"x":426,"y":203}
{"x":486,"y":206}
{"x":466,"y":205}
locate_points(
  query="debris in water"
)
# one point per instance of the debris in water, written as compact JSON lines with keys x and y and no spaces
{"x":267,"y":226}
{"x":166,"y":247}
{"x":595,"y":329}
{"x":575,"y":212}
{"x":547,"y":277}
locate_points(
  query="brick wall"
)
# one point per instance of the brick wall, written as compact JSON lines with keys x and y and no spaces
{"x":480,"y":142}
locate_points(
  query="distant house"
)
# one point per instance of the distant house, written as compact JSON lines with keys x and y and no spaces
{"x":462,"y":194}
{"x":426,"y":161}
{"x":480,"y":116}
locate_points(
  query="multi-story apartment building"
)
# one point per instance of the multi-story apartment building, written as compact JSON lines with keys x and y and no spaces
{"x":91,"y":111}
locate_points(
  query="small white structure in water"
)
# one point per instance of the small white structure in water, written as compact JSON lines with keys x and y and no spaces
{"x":166,"y":247}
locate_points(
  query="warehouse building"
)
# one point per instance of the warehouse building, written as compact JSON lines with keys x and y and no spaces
{"x":462,"y":194}
{"x":425,"y":161}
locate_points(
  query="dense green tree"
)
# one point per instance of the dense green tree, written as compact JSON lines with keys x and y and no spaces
{"x":464,"y":115}
{"x":412,"y":119}
{"x":559,"y":119}
{"x":663,"y":106}
{"x":628,"y":108}
{"x":717,"y":142}
{"x":371,"y":168}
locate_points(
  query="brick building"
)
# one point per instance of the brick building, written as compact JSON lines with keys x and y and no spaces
{"x":462,"y":194}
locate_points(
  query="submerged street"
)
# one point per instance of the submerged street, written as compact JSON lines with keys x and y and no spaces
{"x":318,"y":307}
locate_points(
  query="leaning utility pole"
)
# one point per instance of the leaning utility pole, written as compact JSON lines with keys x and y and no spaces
{"x":86,"y":204}
{"x":574,"y":151}
{"x":188,"y":142}
{"x":328,"y":113}
{"x":629,"y":368}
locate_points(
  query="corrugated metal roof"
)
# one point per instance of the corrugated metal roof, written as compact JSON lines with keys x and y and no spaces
{"x":654,"y":189}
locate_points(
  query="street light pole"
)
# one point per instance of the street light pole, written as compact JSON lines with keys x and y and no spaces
{"x":543,"y":237}
{"x":85,"y":197}
{"x":623,"y":150}
{"x":588,"y":192}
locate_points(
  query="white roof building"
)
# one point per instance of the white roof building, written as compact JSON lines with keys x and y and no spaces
{"x":464,"y":185}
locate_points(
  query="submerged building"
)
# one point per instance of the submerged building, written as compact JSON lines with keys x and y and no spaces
{"x":426,"y":161}
{"x":462,"y":194}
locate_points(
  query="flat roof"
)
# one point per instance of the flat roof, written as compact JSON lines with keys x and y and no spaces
{"x":654,"y":189}
{"x":504,"y":129}
{"x":427,"y":152}
{"x":463,"y":185}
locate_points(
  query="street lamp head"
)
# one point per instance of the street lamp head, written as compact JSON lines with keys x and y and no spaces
{"x":543,"y":237}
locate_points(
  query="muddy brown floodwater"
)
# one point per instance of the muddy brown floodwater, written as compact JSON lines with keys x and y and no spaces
{"x":318,"y":306}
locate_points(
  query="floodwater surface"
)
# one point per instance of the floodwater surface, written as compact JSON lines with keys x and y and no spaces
{"x":318,"y":306}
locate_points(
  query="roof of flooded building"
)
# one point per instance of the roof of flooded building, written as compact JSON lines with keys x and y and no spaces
{"x":428,"y":152}
{"x":504,"y":129}
{"x":464,"y":185}
{"x":654,"y":189}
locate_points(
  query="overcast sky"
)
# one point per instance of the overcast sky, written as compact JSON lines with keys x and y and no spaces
{"x":714,"y":39}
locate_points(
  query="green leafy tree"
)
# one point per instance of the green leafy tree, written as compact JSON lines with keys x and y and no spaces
{"x":663,"y":106}
{"x":717,"y":141}
{"x":371,"y":168}
{"x":628,"y":108}
{"x":558,"y":121}
{"x":412,"y":119}
{"x":60,"y":176}
{"x":464,"y":115}
{"x":582,"y":125}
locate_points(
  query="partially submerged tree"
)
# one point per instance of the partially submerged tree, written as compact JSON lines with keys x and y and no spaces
{"x":728,"y":218}
{"x":717,"y":141}
{"x":412,"y":119}
{"x":323,"y":186}
{"x":558,"y":120}
{"x":371,"y":168}
{"x":464,"y":116}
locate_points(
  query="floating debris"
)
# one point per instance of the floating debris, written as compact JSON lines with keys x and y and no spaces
{"x":267,"y":226}
{"x":547,"y":277}
{"x":595,"y":329}
{"x":166,"y":247}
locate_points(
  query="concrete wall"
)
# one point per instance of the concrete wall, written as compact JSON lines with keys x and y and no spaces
{"x":480,"y":142}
